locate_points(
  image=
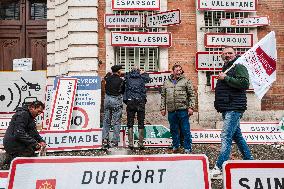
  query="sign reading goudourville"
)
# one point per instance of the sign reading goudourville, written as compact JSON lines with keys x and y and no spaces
{"x":62,"y":108}
{"x":225,"y":39}
{"x":228,"y":5}
{"x":250,"y":21}
{"x":135,"y":4}
{"x":123,"y":21}
{"x":146,"y":39}
{"x":163,"y":19}
{"x":112,"y":172}
{"x":264,"y":174}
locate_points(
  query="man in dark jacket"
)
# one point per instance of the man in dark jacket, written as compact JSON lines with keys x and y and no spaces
{"x":21,"y":138}
{"x":231,"y":101}
{"x":135,"y":99}
{"x":113,"y":104}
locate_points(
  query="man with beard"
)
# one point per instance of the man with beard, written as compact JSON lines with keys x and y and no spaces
{"x":231,"y":101}
{"x":178,"y":99}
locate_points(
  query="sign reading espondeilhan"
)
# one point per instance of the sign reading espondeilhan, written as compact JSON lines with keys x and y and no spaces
{"x":136,"y":5}
{"x":228,"y":5}
{"x":112,"y":172}
{"x":123,"y":21}
{"x":226,"y":39}
{"x":163,"y":19}
{"x":248,"y":22}
{"x":145,"y":39}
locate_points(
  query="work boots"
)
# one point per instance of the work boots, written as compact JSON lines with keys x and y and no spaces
{"x":130,"y":138}
{"x":141,"y":140}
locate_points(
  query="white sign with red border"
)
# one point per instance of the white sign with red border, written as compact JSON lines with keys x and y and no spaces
{"x":266,"y":174}
{"x":163,"y":19}
{"x":48,"y":102}
{"x":123,"y":21}
{"x":147,"y":172}
{"x":225,"y":39}
{"x":228,"y":5}
{"x":145,"y":39}
{"x":3,"y":179}
{"x":250,"y":21}
{"x":208,"y":61}
{"x":136,"y":5}
{"x":62,"y":107}
{"x":260,"y":127}
{"x":214,"y":79}
{"x":4,"y":123}
{"x":157,"y":79}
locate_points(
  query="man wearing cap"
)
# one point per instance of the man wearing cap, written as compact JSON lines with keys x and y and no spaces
{"x":113,"y":106}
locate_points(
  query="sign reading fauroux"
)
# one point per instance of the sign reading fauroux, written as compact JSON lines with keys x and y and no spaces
{"x":135,"y":4}
{"x":156,"y":39}
{"x":228,"y":5}
{"x":122,"y":21}
{"x":250,"y":21}
{"x":225,"y":39}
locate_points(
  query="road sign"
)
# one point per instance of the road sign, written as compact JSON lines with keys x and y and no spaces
{"x":145,"y":39}
{"x":157,"y":79}
{"x":248,"y":22}
{"x":23,"y":64}
{"x":226,"y":39}
{"x":63,"y":103}
{"x":214,"y":79}
{"x":123,"y":21}
{"x":112,"y":172}
{"x":136,"y":5}
{"x":228,"y":5}
{"x":3,"y":179}
{"x":163,"y":19}
{"x":208,"y":61}
{"x":253,"y":174}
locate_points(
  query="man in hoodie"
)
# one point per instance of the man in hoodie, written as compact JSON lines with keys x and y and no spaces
{"x":135,"y":99}
{"x":21,"y":138}
{"x":231,"y":101}
{"x":177,"y":97}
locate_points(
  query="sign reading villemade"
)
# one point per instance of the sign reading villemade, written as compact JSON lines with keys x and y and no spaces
{"x":130,"y":39}
{"x":250,"y":21}
{"x":135,"y":4}
{"x":225,"y":39}
{"x":163,"y":19}
{"x":228,"y":5}
{"x":122,"y":21}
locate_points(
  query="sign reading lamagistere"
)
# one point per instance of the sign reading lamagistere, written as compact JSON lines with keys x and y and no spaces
{"x":145,"y":39}
{"x":112,"y":172}
{"x":135,"y":4}
{"x":225,"y":39}
{"x":228,"y":5}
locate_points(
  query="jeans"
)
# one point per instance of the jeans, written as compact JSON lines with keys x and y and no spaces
{"x":231,"y":131}
{"x":112,"y":113}
{"x":176,"y":119}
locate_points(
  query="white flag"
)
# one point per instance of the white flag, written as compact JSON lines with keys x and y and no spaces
{"x":260,"y":62}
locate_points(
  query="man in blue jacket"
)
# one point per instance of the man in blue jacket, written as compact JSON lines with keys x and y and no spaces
{"x":135,"y":99}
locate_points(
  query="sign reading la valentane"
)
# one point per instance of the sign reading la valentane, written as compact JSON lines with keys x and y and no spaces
{"x":228,"y":5}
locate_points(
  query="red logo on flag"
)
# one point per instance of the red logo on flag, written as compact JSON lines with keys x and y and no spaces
{"x":268,"y":63}
{"x":46,"y":184}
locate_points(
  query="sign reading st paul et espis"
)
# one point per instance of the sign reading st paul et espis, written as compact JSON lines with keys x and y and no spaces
{"x":228,"y":5}
{"x":122,"y":21}
{"x":163,"y":19}
{"x":136,"y":5}
{"x":249,"y":22}
{"x":228,"y":39}
{"x":145,"y":39}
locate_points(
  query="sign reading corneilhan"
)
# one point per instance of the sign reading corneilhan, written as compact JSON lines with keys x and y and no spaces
{"x":228,"y":5}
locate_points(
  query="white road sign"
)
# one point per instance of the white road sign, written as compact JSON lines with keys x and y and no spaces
{"x":21,"y":88}
{"x":163,"y":19}
{"x":228,"y":5}
{"x":136,"y":5}
{"x":23,"y":64}
{"x":4,"y":123}
{"x":266,"y":174}
{"x":214,"y":79}
{"x":3,"y":179}
{"x":248,"y":22}
{"x":112,"y":172}
{"x":145,"y":39}
{"x":226,"y":39}
{"x":123,"y":21}
{"x":208,"y":61}
{"x":63,"y":103}
{"x":157,"y":78}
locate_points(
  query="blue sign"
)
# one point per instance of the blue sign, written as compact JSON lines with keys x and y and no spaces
{"x":84,"y":82}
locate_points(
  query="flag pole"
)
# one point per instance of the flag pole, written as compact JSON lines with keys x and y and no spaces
{"x":230,"y":68}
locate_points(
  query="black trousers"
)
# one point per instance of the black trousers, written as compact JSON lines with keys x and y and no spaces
{"x":27,"y":152}
{"x":133,"y":107}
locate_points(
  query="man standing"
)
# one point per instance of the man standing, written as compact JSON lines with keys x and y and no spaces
{"x":231,"y":101}
{"x":178,"y":99}
{"x":113,"y":106}
{"x":135,"y":99}
{"x":21,"y":138}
